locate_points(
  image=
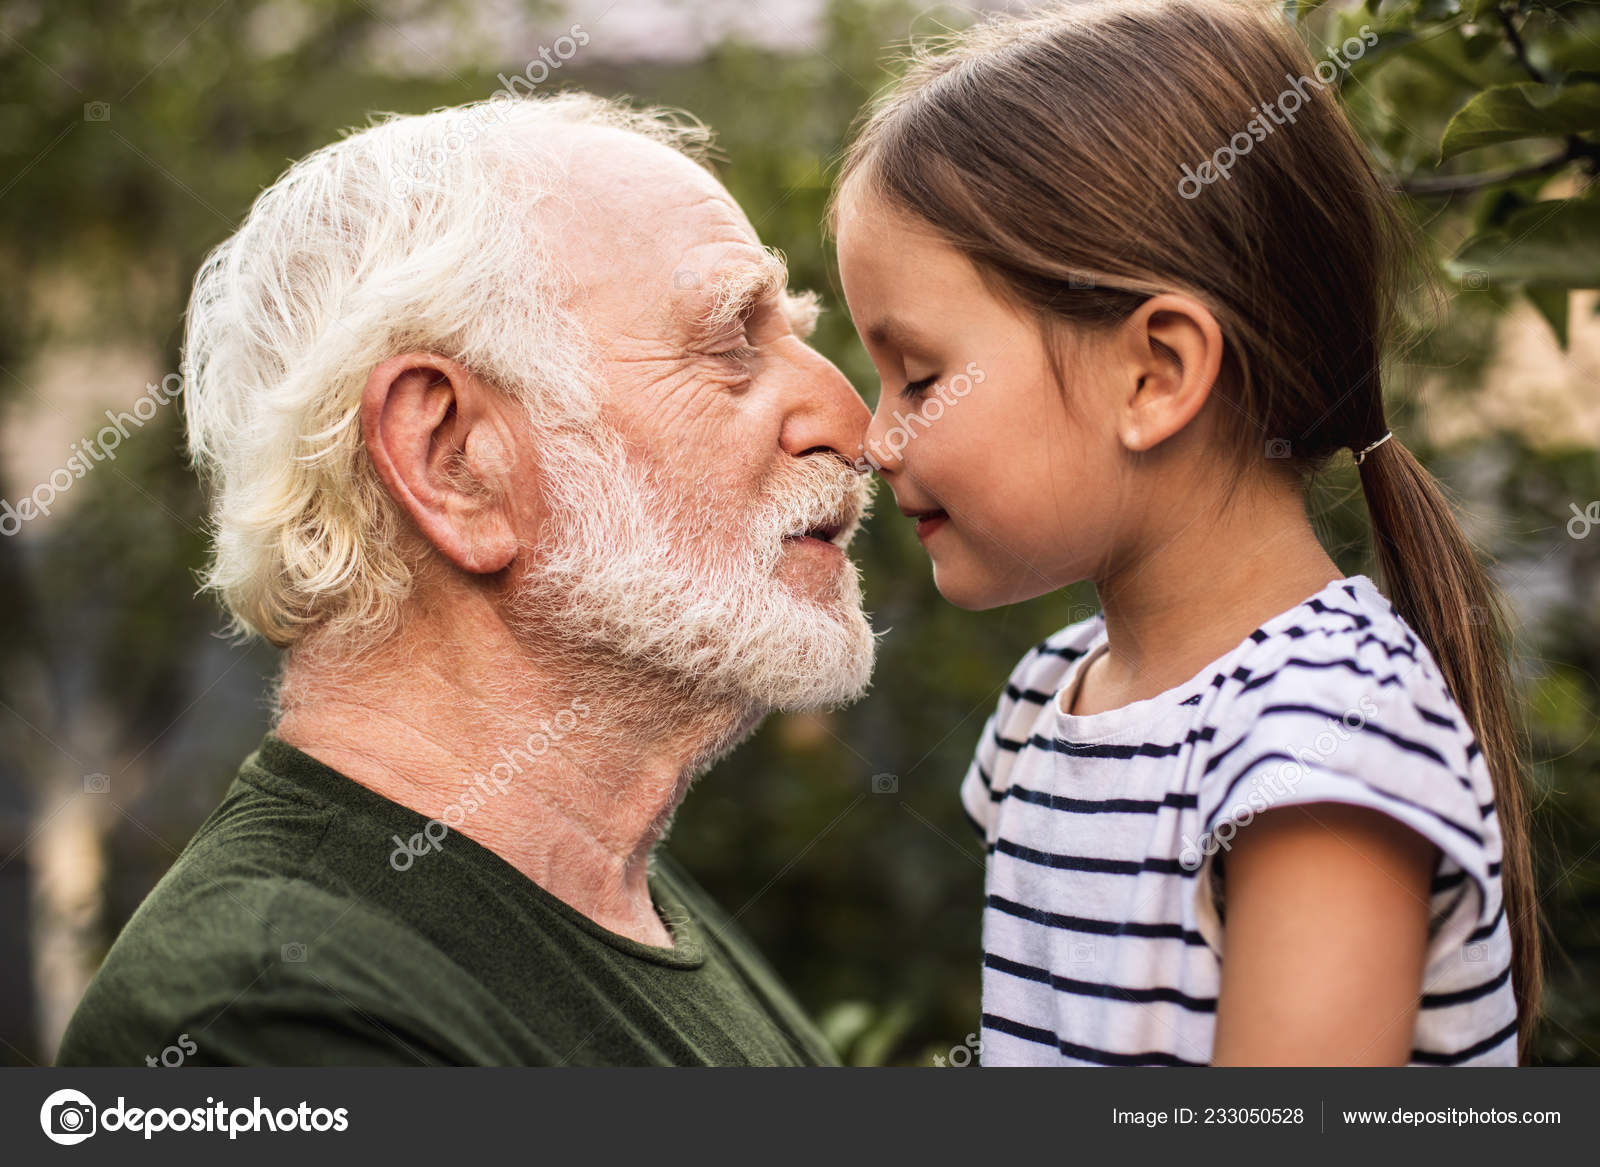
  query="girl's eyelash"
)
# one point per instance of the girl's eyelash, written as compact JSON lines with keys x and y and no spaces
{"x":918,"y":388}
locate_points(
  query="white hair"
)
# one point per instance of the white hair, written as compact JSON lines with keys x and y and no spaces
{"x":418,"y":233}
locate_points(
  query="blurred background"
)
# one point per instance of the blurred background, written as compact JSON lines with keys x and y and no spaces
{"x":134,"y":135}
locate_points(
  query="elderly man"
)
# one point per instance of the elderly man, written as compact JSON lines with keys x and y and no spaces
{"x":519,"y":453}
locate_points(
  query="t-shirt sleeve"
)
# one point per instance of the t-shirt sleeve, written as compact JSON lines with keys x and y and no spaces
{"x":1391,"y":742}
{"x":1032,"y":683}
{"x":986,"y":777}
{"x":280,"y":1031}
{"x":273,"y":1020}
{"x":978,"y":785}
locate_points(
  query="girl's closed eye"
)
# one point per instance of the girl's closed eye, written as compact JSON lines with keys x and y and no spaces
{"x":915,"y":389}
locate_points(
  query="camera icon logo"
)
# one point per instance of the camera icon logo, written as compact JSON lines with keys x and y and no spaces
{"x":1278,"y":448}
{"x":885,"y":784}
{"x":67,"y":1117}
{"x":96,"y":783}
{"x":96,"y":111}
{"x":293,"y":953}
{"x":1476,"y":280}
{"x":685,"y":279}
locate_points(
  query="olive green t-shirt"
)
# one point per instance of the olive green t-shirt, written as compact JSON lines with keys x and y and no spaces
{"x":291,"y":932}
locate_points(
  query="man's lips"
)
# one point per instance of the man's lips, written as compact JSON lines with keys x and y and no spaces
{"x":825,"y":532}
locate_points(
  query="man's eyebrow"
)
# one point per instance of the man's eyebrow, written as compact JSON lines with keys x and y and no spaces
{"x":740,"y":289}
{"x":801,"y":310}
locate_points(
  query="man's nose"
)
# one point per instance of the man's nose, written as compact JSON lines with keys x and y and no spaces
{"x":827,"y":413}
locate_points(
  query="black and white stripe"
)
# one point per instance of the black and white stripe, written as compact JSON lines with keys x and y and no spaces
{"x":1103,"y":921}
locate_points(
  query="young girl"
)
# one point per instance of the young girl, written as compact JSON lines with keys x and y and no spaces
{"x":1126,"y":275}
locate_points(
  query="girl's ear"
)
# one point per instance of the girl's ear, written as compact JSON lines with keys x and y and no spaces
{"x":1173,"y":346}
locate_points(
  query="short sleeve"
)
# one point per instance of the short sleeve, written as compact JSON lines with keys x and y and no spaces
{"x":1031,"y":686}
{"x":1332,"y":734}
{"x":323,"y":1031}
{"x":977,"y":788}
{"x":1025,"y":690}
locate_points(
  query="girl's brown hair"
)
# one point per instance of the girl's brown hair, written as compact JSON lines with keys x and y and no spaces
{"x":1073,"y":155}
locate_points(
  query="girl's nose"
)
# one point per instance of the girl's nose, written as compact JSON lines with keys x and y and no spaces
{"x":880,"y":450}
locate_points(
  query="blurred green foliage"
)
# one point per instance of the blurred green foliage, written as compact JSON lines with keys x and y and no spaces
{"x":836,"y":839}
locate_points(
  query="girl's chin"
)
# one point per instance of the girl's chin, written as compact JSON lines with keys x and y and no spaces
{"x":967,"y":585}
{"x":959,"y":587}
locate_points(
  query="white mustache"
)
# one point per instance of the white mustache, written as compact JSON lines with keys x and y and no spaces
{"x":820,"y":492}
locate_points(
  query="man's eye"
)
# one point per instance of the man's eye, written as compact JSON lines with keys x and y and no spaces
{"x":918,"y":388}
{"x":743,"y":352}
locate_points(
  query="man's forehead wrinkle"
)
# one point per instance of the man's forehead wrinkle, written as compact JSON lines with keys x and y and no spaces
{"x":638,"y":217}
{"x":642,"y":190}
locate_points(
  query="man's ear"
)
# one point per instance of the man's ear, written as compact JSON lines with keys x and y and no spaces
{"x":1174,"y":347}
{"x":444,"y":453}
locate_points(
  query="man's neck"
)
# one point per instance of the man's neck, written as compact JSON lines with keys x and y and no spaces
{"x":568,"y":769}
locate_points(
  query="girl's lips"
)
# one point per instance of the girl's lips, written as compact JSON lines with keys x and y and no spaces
{"x":929,"y":523}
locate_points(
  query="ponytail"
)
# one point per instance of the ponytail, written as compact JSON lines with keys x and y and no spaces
{"x":1436,"y":584}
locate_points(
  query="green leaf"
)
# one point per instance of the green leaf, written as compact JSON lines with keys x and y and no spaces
{"x":1498,"y":205}
{"x":1480,"y":8}
{"x":1507,"y":113}
{"x":1480,"y":44}
{"x":1554,"y":243}
{"x":1392,"y":41}
{"x":1553,"y":304}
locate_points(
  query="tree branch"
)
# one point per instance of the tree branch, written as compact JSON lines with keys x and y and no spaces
{"x":1455,"y":184}
{"x":1518,"y":47}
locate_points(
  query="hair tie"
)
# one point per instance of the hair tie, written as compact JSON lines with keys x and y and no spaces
{"x":1373,"y":447}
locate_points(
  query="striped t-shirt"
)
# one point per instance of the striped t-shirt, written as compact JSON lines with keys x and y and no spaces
{"x":1102,"y":925}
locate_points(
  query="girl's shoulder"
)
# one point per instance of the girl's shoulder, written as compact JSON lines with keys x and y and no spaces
{"x":1346,"y":653}
{"x":1352,"y":613}
{"x":1044,"y":667}
{"x":1338,"y":699}
{"x":1032,"y":685}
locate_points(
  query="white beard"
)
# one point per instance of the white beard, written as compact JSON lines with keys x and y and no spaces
{"x":638,"y":570}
